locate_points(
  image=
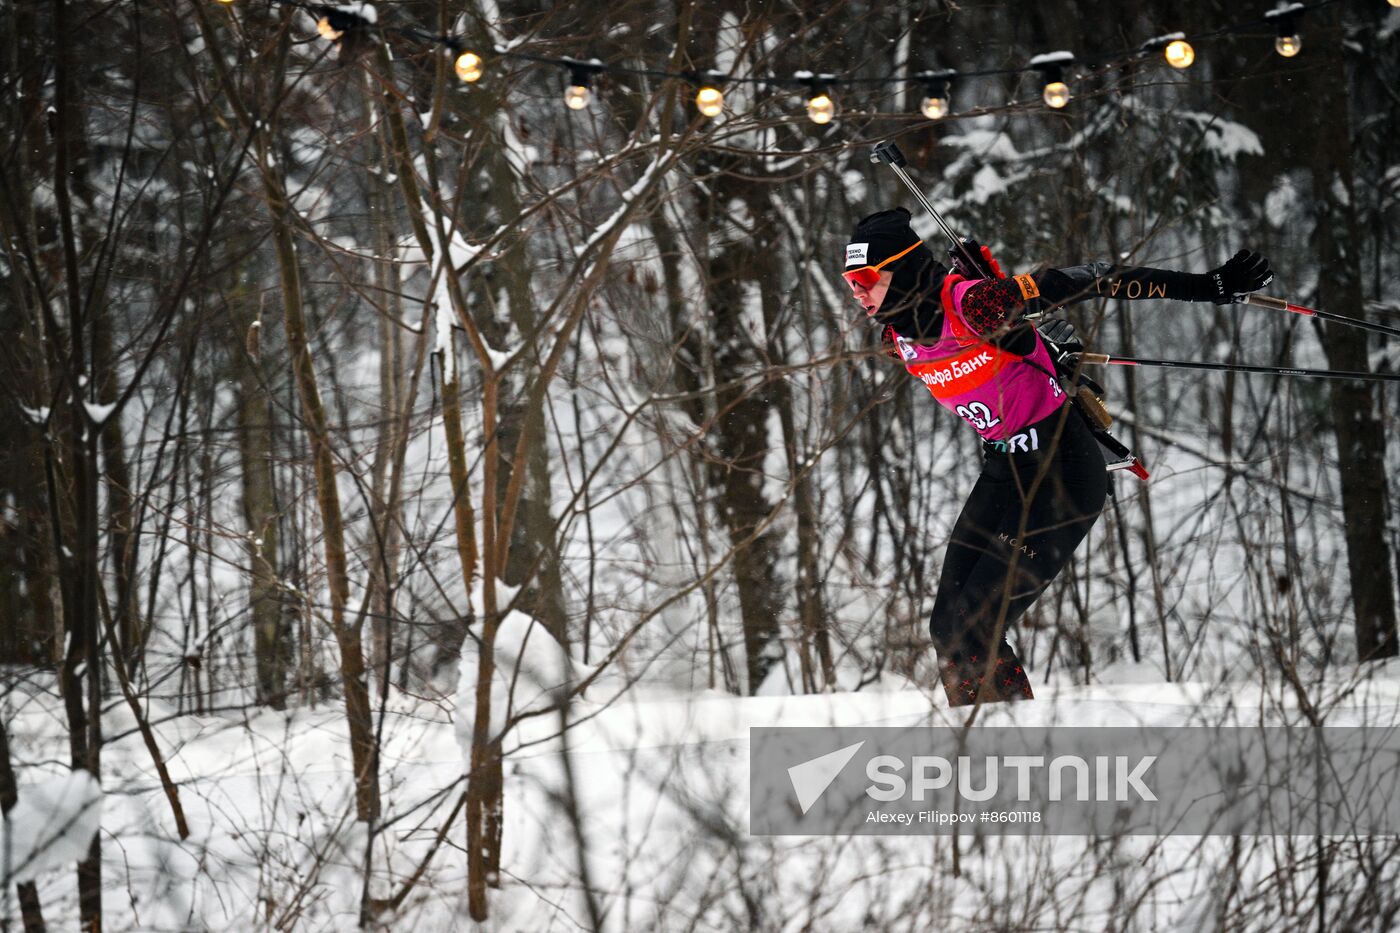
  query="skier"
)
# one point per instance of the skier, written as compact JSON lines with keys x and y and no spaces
{"x":1043,"y":480}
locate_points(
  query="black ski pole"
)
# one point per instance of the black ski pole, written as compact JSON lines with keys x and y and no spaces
{"x":1104,"y":358}
{"x":1279,"y":304}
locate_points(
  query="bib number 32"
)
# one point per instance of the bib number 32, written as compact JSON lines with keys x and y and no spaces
{"x":979,"y":415}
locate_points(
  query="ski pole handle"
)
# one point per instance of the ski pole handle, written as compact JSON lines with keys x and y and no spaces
{"x":1266,"y":301}
{"x":888,"y":152}
{"x":933,"y":212}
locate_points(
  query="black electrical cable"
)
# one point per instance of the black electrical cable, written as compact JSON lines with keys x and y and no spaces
{"x":1075,"y":66}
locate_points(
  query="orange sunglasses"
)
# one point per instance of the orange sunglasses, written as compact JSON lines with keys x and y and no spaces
{"x":867,"y":276}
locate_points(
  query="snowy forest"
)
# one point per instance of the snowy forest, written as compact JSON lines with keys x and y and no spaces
{"x":414,"y":485}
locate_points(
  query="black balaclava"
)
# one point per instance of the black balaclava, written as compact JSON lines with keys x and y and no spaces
{"x":911,"y":305}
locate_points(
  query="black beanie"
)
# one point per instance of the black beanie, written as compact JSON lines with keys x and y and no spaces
{"x":880,"y":236}
{"x":917,"y":276}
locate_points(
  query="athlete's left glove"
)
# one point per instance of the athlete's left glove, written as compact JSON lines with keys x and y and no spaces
{"x":1245,"y":272}
{"x":1061,"y":335}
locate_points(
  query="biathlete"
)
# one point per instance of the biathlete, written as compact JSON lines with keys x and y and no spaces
{"x":1043,"y":481}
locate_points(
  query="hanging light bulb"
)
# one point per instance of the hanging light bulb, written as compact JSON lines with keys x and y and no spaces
{"x":1174,"y":48}
{"x":468,"y":67}
{"x":1056,"y":94}
{"x":936,"y":103}
{"x":1285,"y":19}
{"x":821,"y":109}
{"x":1179,"y":54}
{"x":935,"y":108}
{"x":580,"y":92}
{"x":709,"y":100}
{"x":1051,"y":66}
{"x":328,"y":30}
{"x":1394,"y":3}
{"x":578,"y":96}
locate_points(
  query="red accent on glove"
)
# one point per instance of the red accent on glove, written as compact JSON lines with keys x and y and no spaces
{"x":992,"y":263}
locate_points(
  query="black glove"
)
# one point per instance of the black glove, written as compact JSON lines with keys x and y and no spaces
{"x":1061,"y":340}
{"x":981,"y":265}
{"x":1246,"y":272}
{"x":1060,"y":334}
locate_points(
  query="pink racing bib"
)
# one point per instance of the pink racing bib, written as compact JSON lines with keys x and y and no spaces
{"x":995,"y":391}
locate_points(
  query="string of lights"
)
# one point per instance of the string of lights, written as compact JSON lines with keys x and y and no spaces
{"x":1055,"y":69}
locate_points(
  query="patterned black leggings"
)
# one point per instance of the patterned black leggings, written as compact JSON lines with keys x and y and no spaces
{"x":1026,"y":515}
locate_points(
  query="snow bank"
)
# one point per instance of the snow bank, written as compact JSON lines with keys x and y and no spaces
{"x":52,"y":824}
{"x":533,"y":672}
{"x":659,"y":787}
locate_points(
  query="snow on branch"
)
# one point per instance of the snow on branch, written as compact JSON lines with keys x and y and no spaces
{"x":628,"y":196}
{"x":1052,"y":58}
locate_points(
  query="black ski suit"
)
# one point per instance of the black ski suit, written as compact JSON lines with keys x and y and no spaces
{"x":1028,"y":511}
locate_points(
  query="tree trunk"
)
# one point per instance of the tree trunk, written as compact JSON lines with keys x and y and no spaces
{"x":814,"y":647}
{"x":125,"y":542}
{"x":1355,"y":406}
{"x":741,"y":442}
{"x":82,"y":665}
{"x":385,"y":532}
{"x":273,"y":647}
{"x":29,"y":908}
{"x":363,"y":748}
{"x":462,"y":512}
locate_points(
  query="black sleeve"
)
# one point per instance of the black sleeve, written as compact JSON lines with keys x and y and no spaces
{"x":1104,"y":280}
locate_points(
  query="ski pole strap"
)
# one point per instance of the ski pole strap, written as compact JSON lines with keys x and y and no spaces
{"x":1106,"y":359}
{"x":1279,"y":304}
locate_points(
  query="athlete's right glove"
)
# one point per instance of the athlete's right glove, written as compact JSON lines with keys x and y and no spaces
{"x":1245,"y":272}
{"x":972,"y":260}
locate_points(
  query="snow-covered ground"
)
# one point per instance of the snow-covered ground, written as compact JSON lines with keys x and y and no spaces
{"x":659,"y":781}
